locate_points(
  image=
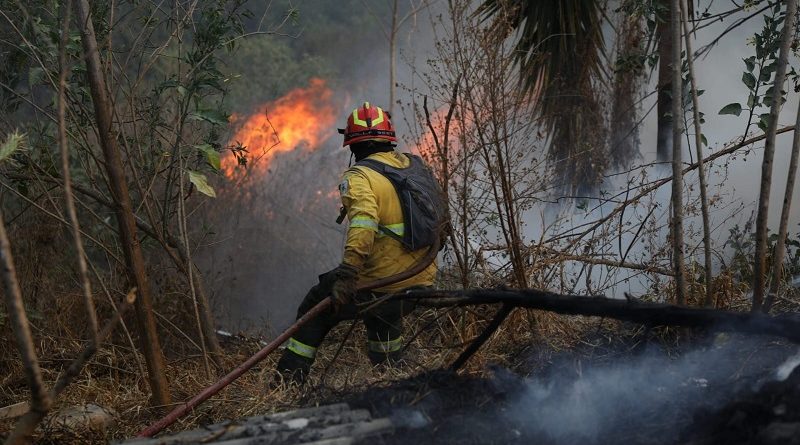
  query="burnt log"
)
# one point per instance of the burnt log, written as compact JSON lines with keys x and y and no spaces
{"x":336,"y":424}
{"x":651,"y":314}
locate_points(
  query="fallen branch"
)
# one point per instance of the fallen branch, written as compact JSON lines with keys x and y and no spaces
{"x":652,"y":314}
{"x":15,"y":410}
{"x":476,"y":344}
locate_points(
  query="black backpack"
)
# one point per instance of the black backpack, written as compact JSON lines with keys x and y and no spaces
{"x":421,"y":198}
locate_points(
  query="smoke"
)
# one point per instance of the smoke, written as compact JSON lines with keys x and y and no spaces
{"x":270,"y":285}
{"x":733,"y":181}
{"x":785,"y":369}
{"x":650,"y":393}
{"x":274,"y":231}
{"x":278,"y":233}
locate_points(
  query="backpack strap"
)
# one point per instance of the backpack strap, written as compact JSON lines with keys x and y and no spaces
{"x":380,"y":167}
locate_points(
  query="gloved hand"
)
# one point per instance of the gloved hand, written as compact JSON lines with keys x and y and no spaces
{"x":344,"y":288}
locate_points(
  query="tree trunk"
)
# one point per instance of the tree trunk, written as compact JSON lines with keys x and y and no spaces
{"x":698,"y":143}
{"x":760,"y":266}
{"x":677,"y":172}
{"x":40,"y":399}
{"x":780,"y":246}
{"x":664,"y":107}
{"x":134,"y":258}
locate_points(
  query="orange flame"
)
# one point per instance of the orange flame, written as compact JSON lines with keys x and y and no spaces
{"x":426,"y":144}
{"x":303,"y":117}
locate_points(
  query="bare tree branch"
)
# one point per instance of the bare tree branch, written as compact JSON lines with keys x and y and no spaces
{"x":698,"y":145}
{"x":40,"y":399}
{"x":88,"y":299}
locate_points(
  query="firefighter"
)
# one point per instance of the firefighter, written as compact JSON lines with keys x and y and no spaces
{"x":373,"y":209}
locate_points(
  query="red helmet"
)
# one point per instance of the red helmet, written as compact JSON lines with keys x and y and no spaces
{"x":368,"y":123}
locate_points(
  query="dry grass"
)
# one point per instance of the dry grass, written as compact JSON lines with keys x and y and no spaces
{"x":112,"y":379}
{"x":436,"y":337}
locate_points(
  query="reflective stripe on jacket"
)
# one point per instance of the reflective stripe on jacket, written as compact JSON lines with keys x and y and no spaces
{"x":370,"y":200}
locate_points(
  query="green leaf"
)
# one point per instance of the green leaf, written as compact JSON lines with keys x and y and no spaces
{"x":751,"y":100}
{"x":750,"y":62}
{"x":212,"y":156}
{"x":763,"y":122}
{"x":199,"y":180}
{"x":35,"y":75}
{"x":13,"y":142}
{"x":703,"y":140}
{"x":213,"y":116}
{"x":749,"y":80}
{"x":733,"y":108}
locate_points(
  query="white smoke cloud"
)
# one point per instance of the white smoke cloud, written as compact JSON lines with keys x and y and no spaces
{"x":785,"y":369}
{"x":575,"y":405}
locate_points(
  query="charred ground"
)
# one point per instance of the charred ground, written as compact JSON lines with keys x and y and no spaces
{"x":728,"y":395}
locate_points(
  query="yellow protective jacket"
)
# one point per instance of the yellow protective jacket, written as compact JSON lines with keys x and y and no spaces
{"x":370,"y":201}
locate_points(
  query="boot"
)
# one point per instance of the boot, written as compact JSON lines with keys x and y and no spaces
{"x":292,"y":368}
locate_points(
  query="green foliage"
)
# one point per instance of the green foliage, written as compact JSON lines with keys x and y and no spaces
{"x":734,"y":108}
{"x":265,"y":67}
{"x":741,"y":241}
{"x":213,"y":116}
{"x":14,"y":142}
{"x":760,"y":69}
{"x":199,"y":180}
{"x":211,"y":155}
{"x":308,"y":44}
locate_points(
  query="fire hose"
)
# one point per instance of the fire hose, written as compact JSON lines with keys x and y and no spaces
{"x":184,"y":408}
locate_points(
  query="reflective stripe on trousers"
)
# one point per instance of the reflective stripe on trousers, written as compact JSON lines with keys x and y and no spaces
{"x":386,"y":347}
{"x":301,"y":348}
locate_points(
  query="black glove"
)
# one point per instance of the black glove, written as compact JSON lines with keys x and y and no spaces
{"x":344,"y":288}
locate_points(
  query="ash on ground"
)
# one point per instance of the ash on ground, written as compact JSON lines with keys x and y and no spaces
{"x":725,"y":389}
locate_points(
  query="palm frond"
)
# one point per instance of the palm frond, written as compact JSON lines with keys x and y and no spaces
{"x":559,"y":49}
{"x":558,"y":42}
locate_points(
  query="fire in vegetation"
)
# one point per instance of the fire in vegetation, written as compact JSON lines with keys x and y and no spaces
{"x":302,"y":118}
{"x":287,"y":175}
{"x":429,"y":142}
